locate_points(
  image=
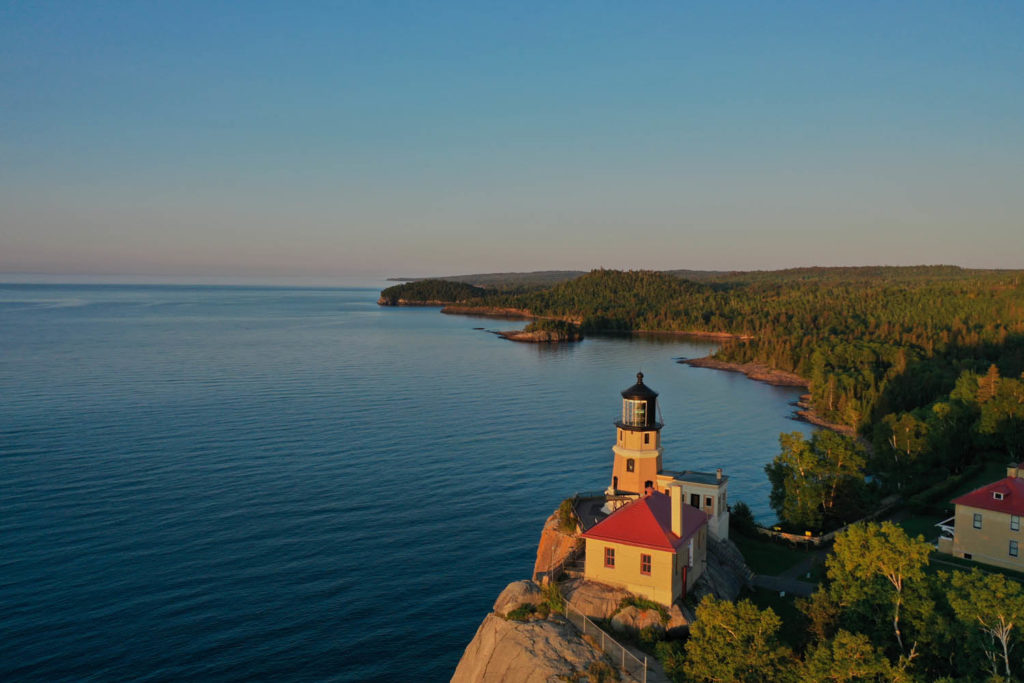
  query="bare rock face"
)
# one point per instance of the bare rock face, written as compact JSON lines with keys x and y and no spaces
{"x":678,"y":621}
{"x":516,"y":594}
{"x":633,"y":619}
{"x":554,"y":548}
{"x":537,"y":651}
{"x":596,"y":600}
{"x":726,"y":572}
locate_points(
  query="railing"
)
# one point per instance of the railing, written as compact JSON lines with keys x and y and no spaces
{"x":629,"y":663}
{"x":809,"y":538}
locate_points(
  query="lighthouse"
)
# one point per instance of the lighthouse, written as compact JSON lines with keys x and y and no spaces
{"x":638,"y":440}
{"x":637,"y":467}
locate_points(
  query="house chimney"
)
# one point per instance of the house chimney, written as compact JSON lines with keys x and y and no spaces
{"x":676,"y":493}
{"x":1011,"y":471}
{"x":718,"y":474}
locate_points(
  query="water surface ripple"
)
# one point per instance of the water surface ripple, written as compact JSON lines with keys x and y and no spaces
{"x":236,"y":483}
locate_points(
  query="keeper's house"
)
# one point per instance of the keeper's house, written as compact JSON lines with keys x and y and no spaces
{"x":985,"y":526}
{"x":655,"y":546}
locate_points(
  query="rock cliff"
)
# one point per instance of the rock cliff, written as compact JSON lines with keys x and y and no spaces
{"x":544,"y":646}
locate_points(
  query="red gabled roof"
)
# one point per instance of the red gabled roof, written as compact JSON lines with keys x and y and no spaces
{"x":1012,"y":490}
{"x":647,"y":523}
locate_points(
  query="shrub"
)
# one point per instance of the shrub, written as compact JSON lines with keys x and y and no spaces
{"x":644,"y":603}
{"x":601,"y":671}
{"x":522,"y":613}
{"x":553,"y":597}
{"x":566,"y":517}
{"x":741,"y":519}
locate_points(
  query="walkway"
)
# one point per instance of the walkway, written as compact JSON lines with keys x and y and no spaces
{"x":791,"y":580}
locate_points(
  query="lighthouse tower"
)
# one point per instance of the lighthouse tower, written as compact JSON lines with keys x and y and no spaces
{"x":638,"y":441}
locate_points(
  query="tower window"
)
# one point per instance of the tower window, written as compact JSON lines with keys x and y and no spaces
{"x":645,"y":564}
{"x":630,"y":465}
{"x":609,"y":557}
{"x":647,"y":438}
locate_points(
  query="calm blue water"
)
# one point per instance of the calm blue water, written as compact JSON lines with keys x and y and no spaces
{"x":235,"y":483}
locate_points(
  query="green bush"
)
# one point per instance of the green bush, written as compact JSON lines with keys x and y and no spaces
{"x":567,"y":517}
{"x":741,"y":519}
{"x":602,"y":671}
{"x":522,"y":613}
{"x":644,"y":603}
{"x":553,"y":597}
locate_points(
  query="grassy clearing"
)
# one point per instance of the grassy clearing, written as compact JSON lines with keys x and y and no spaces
{"x":992,"y":471}
{"x":941,"y":562}
{"x":794,"y":623}
{"x":768,"y":557}
{"x":923,"y":525}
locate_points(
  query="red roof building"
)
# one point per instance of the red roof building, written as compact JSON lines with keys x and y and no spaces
{"x":655,"y":546}
{"x":986,"y":524}
{"x":647,"y":523}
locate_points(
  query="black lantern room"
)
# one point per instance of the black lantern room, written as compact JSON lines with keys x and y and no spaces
{"x":639,"y":407}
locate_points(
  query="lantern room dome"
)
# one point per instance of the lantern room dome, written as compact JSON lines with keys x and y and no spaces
{"x":639,"y":391}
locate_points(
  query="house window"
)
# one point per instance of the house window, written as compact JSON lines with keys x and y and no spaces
{"x":609,"y":557}
{"x":630,"y":465}
{"x":967,"y":556}
{"x":1013,"y":548}
{"x":977,"y":520}
{"x":645,"y":564}
{"x":647,"y":438}
{"x":648,"y":484}
{"x":1014,"y":523}
{"x":695,"y":500}
{"x":997,"y":495}
{"x":708,"y":502}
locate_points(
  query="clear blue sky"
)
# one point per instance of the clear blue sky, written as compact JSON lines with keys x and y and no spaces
{"x":350,"y":139}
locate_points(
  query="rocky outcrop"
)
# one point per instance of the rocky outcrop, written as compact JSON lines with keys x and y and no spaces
{"x":634,"y":619}
{"x":596,"y":600}
{"x":487,"y":311}
{"x":515,"y":594}
{"x":540,"y":650}
{"x":755,"y":371}
{"x":725,"y":575}
{"x":554,"y":550}
{"x":541,"y":336}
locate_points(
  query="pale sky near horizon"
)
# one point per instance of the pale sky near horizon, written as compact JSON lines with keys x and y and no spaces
{"x":369,"y":139}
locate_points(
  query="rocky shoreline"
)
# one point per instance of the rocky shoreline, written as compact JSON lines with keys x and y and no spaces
{"x":764,"y":373}
{"x":540,"y":336}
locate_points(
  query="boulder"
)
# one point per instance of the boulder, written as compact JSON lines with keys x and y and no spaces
{"x":516,"y":594}
{"x":596,"y":600}
{"x":633,"y":619}
{"x":679,"y":620}
{"x":524,"y":651}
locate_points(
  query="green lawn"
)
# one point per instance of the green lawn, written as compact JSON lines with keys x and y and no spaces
{"x":767,"y":557}
{"x":992,"y":471}
{"x":794,"y":623}
{"x":942,"y":562}
{"x":923,"y":525}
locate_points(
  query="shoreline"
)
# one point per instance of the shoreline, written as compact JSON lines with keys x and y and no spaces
{"x":760,"y":372}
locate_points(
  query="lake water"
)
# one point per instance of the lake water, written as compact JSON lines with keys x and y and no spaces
{"x":232,"y":483}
